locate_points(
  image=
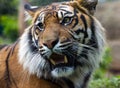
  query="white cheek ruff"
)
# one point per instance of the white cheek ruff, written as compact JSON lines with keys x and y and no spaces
{"x":31,"y":61}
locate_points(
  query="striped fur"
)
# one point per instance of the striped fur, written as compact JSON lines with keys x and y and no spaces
{"x":63,"y":46}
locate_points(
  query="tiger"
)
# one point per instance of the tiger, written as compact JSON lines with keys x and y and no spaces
{"x":61,"y":48}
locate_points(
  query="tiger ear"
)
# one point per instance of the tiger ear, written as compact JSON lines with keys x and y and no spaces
{"x":90,"y":5}
{"x":30,"y":9}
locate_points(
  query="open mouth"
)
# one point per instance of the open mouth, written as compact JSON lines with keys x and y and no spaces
{"x":58,"y":60}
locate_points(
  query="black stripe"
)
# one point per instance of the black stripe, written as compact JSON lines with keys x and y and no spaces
{"x":69,"y":83}
{"x":84,"y":21}
{"x":32,"y":47}
{"x":35,"y":40}
{"x":76,"y":18}
{"x":92,"y":26}
{"x":67,"y":12}
{"x":76,"y":22}
{"x":93,"y":40}
{"x":85,"y":24}
{"x":86,"y":79}
{"x":78,"y":31}
{"x":61,"y":14}
{"x":8,"y":77}
{"x":7,"y":73}
{"x":84,"y":53}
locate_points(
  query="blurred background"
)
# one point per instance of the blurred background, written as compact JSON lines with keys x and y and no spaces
{"x":12,"y":26}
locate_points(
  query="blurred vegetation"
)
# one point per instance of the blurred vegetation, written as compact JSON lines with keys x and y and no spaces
{"x":104,"y":65}
{"x":8,"y":20}
{"x":9,"y":33}
{"x":10,"y":27}
{"x":113,"y":82}
{"x":99,"y":79}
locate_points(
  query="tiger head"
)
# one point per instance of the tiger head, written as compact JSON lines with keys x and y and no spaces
{"x":64,"y":39}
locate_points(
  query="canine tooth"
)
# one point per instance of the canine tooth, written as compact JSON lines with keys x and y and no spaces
{"x":65,"y":59}
{"x":52,"y":61}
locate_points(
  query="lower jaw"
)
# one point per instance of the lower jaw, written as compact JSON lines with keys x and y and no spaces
{"x":62,"y":72}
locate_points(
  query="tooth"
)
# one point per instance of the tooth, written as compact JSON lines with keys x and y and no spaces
{"x":52,"y":61}
{"x":65,"y":59}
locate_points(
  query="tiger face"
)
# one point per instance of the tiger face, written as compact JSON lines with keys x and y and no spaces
{"x":60,"y":42}
{"x":57,"y":37}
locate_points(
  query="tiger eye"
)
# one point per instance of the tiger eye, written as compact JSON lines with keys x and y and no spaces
{"x":40,"y":25}
{"x":66,"y":20}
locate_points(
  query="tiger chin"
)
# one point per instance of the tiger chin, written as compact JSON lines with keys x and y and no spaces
{"x":60,"y":49}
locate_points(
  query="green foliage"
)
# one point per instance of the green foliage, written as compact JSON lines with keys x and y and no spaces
{"x":113,"y":82}
{"x":107,"y":58}
{"x":104,"y":65}
{"x":99,"y":79}
{"x":8,"y":22}
{"x":10,"y":27}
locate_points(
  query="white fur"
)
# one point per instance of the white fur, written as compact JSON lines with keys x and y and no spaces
{"x":62,"y":72}
{"x":33,"y":62}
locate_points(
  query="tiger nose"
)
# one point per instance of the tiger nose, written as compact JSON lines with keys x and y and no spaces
{"x":51,"y":43}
